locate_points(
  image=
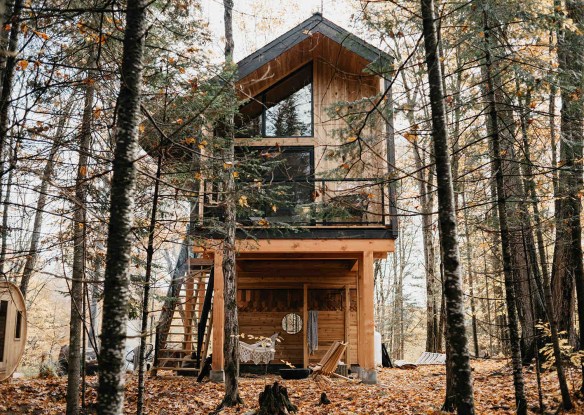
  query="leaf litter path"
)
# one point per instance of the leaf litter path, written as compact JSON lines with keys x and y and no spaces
{"x":419,"y":391}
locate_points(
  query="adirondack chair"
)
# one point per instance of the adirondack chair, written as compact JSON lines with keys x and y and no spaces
{"x":329,"y":362}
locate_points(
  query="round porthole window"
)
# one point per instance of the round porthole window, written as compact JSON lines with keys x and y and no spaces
{"x":292,"y":323}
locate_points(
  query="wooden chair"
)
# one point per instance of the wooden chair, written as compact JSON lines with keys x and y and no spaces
{"x":329,"y":362}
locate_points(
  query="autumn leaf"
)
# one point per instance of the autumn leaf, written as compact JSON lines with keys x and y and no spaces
{"x":23,"y":64}
{"x":243,"y":201}
{"x":411,"y":137}
{"x":264,"y":222}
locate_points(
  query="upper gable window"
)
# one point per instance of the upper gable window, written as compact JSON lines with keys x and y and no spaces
{"x":283,"y":110}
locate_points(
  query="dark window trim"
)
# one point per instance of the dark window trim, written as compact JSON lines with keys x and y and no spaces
{"x":261,"y":97}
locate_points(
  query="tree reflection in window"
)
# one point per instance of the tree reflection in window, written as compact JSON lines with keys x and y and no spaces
{"x":283,"y":110}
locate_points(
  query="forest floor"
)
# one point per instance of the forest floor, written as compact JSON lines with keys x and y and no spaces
{"x":417,"y":391}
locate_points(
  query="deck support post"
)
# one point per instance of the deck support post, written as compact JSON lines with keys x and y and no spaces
{"x":218,"y":319}
{"x":366,"y":321}
{"x":306,"y":357}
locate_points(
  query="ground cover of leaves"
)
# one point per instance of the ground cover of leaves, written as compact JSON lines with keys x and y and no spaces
{"x":418,"y":391}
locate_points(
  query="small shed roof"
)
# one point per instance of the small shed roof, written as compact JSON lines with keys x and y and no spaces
{"x":315,"y":24}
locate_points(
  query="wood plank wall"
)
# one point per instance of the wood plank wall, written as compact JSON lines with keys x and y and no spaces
{"x":338,"y":76}
{"x":264,"y":301}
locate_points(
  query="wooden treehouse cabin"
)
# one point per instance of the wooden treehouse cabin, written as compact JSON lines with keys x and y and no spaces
{"x":305,"y":266}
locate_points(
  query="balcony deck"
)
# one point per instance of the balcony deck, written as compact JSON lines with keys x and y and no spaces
{"x":313,"y":208}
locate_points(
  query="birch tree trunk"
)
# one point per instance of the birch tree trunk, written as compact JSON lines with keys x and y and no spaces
{"x":116,"y":285}
{"x":455,"y":325}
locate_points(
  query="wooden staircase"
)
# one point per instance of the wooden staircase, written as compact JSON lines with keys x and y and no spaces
{"x":183,"y":348}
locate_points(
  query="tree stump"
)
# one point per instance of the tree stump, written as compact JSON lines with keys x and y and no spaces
{"x":324,"y":400}
{"x":274,"y":400}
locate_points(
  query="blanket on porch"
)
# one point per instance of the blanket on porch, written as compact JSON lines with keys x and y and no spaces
{"x":262,"y":351}
{"x":312,"y":331}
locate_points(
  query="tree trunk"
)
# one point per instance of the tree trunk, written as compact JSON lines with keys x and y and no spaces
{"x":32,"y":255}
{"x":8,"y":76}
{"x":6,"y":205}
{"x":231,"y":336}
{"x":79,"y":250}
{"x":571,"y":67}
{"x":518,"y":380}
{"x":469,"y":269}
{"x":455,"y":326}
{"x":116,"y":286}
{"x":146,"y":288}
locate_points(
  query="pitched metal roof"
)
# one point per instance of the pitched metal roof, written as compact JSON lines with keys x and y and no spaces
{"x":315,"y":24}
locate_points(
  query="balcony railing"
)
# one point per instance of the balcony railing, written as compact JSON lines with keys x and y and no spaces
{"x":304,"y":202}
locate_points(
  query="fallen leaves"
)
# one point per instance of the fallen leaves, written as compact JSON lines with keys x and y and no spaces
{"x":418,"y":391}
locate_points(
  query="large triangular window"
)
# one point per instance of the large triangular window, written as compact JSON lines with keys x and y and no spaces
{"x":283,"y":110}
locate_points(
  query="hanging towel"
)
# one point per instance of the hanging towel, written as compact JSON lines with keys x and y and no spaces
{"x":312,"y":331}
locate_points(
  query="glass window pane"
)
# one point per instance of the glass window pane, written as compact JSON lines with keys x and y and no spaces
{"x":291,"y":117}
{"x":283,"y":110}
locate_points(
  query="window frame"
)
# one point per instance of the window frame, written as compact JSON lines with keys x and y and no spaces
{"x":18,"y":326}
{"x":4,"y":306}
{"x":261,"y":98}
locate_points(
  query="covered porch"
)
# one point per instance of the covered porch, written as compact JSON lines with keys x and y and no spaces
{"x":283,"y":284}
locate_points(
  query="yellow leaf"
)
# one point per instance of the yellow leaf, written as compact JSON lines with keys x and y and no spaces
{"x":96,"y":112}
{"x":264,"y":222}
{"x":83,"y":171}
{"x":274,"y":208}
{"x":235,"y":174}
{"x":181,"y":70}
{"x":179,"y":121}
{"x":351,"y":139}
{"x":202,"y":144}
{"x":243,"y":201}
{"x":190,"y":140}
{"x":198,"y":176}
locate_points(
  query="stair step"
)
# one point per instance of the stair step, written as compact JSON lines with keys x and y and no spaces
{"x":176,"y":359}
{"x":184,"y":369}
{"x":177,"y":350}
